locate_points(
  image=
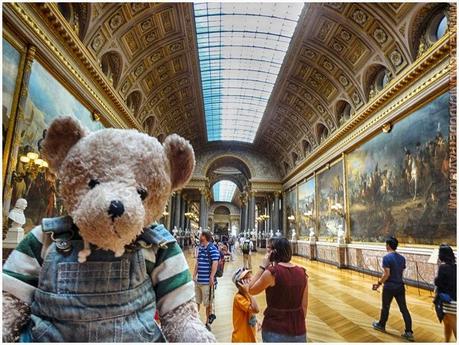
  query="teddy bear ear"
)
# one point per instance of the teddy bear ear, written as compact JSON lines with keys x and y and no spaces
{"x":181,"y":158}
{"x":59,"y":138}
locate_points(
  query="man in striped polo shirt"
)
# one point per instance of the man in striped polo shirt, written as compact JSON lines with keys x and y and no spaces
{"x":204,"y":273}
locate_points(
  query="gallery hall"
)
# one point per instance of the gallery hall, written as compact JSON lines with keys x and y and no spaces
{"x":201,"y":172}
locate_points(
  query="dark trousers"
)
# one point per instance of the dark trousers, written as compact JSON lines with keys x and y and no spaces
{"x":399,"y":295}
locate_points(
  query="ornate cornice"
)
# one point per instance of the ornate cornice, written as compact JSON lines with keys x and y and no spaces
{"x":431,"y":58}
{"x":64,"y":38}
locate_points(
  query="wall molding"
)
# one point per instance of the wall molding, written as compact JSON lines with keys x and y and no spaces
{"x":376,"y":110}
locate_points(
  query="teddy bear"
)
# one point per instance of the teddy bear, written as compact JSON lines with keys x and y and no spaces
{"x":101,"y":273}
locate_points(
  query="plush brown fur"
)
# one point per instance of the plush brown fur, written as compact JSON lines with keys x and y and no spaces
{"x":15,"y":316}
{"x":63,"y":133}
{"x":122,"y":162}
{"x":179,"y":151}
{"x":176,"y":328}
{"x":114,"y":165}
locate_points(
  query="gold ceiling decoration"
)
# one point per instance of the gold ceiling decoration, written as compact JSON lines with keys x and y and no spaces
{"x":337,"y":50}
{"x":148,"y":51}
{"x":148,"y":54}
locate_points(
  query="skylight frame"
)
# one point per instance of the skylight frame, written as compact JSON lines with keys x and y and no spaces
{"x":223,"y":191}
{"x":241,"y":49}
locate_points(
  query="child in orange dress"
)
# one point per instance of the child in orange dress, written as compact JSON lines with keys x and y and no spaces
{"x":244,"y":309}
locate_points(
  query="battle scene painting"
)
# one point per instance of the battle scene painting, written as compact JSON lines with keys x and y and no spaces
{"x":330,"y":200}
{"x":306,"y":207}
{"x":398,"y":182}
{"x":47,"y":99}
{"x":11,"y":59}
{"x":290,"y":209}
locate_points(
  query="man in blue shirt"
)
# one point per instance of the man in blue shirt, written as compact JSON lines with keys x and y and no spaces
{"x":204,"y":273}
{"x":393,"y":265}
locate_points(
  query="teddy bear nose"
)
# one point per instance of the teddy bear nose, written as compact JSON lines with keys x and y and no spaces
{"x":116,"y":209}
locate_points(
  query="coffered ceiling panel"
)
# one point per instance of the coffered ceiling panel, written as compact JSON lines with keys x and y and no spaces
{"x":152,"y":62}
{"x":336,"y":49}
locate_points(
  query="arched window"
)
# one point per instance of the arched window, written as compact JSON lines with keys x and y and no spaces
{"x":133,"y":101}
{"x":435,"y":27}
{"x":343,"y":112}
{"x":442,"y":27}
{"x":294,"y":158}
{"x":376,"y":78}
{"x":111,"y":65}
{"x":76,"y":14}
{"x":149,"y":124}
{"x":286,"y":167}
{"x":322,"y":132}
{"x":306,"y":147}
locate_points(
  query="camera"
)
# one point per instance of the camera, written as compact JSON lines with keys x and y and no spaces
{"x":211,"y":318}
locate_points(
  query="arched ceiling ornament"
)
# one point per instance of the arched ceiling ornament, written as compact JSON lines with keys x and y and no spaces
{"x":158,"y":49}
{"x":330,"y":52}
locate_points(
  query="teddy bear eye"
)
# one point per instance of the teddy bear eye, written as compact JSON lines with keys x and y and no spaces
{"x":142,"y":192}
{"x":92,"y":183}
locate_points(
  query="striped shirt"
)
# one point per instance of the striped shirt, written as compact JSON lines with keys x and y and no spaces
{"x":167,"y":268}
{"x":204,"y":264}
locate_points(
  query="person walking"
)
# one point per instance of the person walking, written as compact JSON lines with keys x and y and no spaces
{"x":244,"y":309}
{"x":247,"y":247}
{"x":446,"y":290}
{"x":204,"y":273}
{"x":286,"y":288}
{"x":393,"y":264}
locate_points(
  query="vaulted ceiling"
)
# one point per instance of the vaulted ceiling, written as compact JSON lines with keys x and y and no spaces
{"x":335,"y":51}
{"x":149,"y":53}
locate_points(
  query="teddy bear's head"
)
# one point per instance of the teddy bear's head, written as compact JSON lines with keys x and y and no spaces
{"x":114,"y":182}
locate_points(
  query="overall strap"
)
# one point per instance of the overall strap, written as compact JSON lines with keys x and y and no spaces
{"x":157,"y":235}
{"x":60,"y":230}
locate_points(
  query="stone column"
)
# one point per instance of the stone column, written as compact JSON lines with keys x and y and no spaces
{"x":182,"y":212}
{"x":276,"y":212}
{"x":242,"y":211}
{"x":284,"y":225}
{"x":252,"y":206}
{"x":177,"y":211}
{"x":202,"y":210}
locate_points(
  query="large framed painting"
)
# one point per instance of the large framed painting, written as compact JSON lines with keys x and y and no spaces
{"x":290,"y":209}
{"x":398,"y":182}
{"x":330,"y":201}
{"x":306,"y":207}
{"x":47,"y":99}
{"x":11,"y":60}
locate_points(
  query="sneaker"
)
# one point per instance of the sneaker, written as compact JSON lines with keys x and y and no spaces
{"x":208,"y":327}
{"x":408,"y":336}
{"x":378,"y":326}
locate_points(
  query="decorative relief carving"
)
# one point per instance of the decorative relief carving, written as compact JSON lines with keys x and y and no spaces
{"x":329,"y":64}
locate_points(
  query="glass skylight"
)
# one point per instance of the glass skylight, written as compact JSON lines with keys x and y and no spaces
{"x":241,"y":49}
{"x":223,"y":191}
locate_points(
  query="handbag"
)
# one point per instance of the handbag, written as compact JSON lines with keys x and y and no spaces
{"x":438,"y":303}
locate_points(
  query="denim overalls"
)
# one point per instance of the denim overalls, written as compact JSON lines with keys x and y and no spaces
{"x":105,"y":299}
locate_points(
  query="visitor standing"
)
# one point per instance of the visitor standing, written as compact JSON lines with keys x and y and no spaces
{"x":446,"y":290}
{"x":393,"y":264}
{"x":247,"y":247}
{"x":286,"y":288}
{"x":204,"y":273}
{"x":244,"y":309}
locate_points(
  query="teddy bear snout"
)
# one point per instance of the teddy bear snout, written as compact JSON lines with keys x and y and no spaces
{"x":116,"y":209}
